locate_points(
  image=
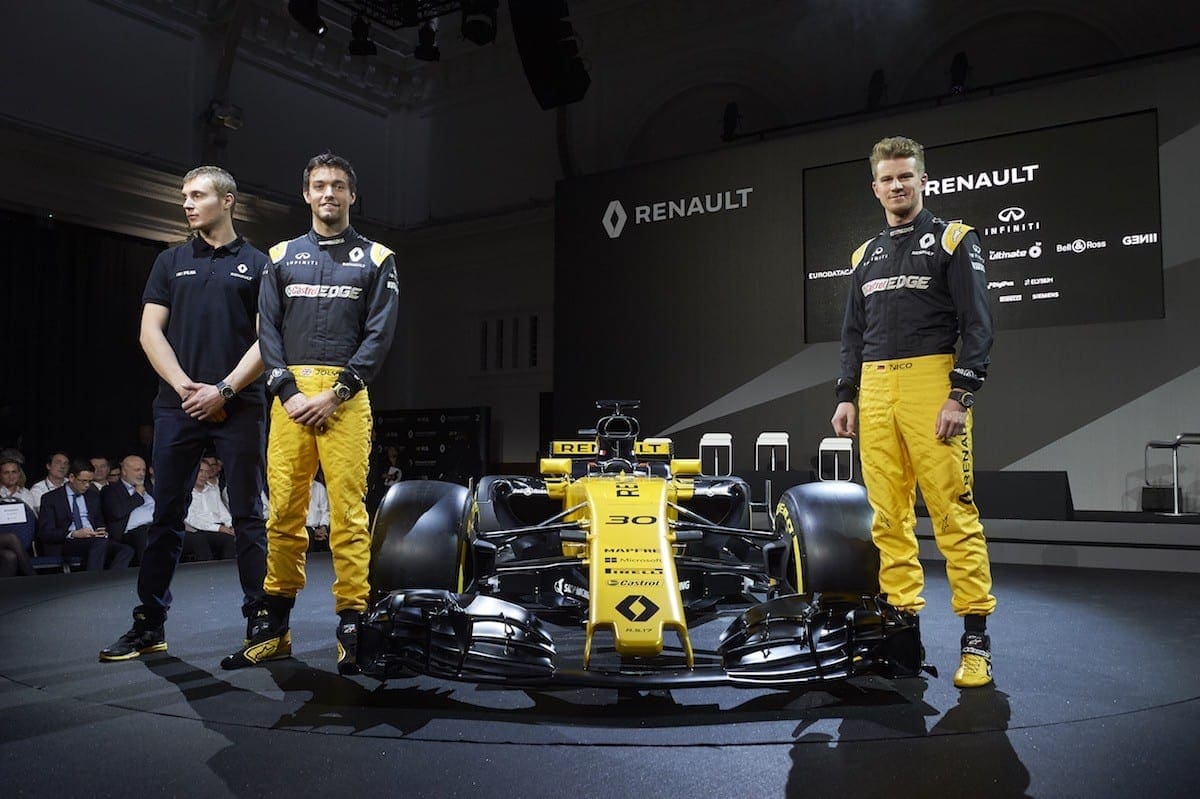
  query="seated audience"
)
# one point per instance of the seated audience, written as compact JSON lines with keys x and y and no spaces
{"x":70,"y":519}
{"x":12,"y":483}
{"x":318,"y":515}
{"x":208,"y":521}
{"x":13,"y":560}
{"x":100,"y":468}
{"x":114,"y":473}
{"x":56,"y":476}
{"x":128,"y":506}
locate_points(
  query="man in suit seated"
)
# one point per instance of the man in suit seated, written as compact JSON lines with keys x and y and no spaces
{"x":70,"y":519}
{"x":128,"y":506}
{"x":56,"y":476}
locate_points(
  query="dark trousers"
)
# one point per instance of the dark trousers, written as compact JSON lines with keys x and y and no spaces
{"x":98,"y":553}
{"x":137,"y":538}
{"x":204,"y":545}
{"x":179,"y":441}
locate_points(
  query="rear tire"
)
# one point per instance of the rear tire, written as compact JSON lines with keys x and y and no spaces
{"x":827,"y":527}
{"x":419,"y":537}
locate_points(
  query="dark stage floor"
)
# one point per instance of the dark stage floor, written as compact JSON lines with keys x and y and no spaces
{"x":1097,"y":694}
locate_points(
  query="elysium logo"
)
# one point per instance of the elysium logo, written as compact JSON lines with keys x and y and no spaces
{"x":614,"y":219}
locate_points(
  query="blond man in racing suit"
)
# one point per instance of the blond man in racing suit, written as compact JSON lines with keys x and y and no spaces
{"x":918,"y":289}
{"x":327,"y":311}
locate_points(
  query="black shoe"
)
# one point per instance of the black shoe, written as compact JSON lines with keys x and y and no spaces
{"x":142,"y":639}
{"x":347,"y":642}
{"x":267,"y":635}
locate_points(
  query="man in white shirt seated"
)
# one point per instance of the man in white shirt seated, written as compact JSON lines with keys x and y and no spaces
{"x":12,"y":483}
{"x":56,"y":477}
{"x":208,"y":520}
{"x":318,"y":515}
{"x":128,"y":507}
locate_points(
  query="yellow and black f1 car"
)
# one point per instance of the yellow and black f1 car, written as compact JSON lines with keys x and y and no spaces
{"x":632,"y":550}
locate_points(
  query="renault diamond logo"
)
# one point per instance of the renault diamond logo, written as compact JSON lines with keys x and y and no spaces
{"x":927,"y":241}
{"x":614,"y":219}
{"x":1011,"y":214}
{"x":645,"y":608}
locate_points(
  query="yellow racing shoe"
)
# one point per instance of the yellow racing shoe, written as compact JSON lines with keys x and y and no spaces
{"x":975,"y":666}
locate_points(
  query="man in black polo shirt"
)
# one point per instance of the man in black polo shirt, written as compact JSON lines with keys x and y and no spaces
{"x":199,"y":334}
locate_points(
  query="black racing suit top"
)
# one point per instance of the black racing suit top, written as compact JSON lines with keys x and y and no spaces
{"x":329,"y":301}
{"x":916,"y":289}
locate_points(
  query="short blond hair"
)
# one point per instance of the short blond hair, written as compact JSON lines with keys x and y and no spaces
{"x":222,"y":181}
{"x":897,"y":147}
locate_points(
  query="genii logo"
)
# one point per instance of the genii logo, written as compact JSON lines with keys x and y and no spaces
{"x":614,"y":219}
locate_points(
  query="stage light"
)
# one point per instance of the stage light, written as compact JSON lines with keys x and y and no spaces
{"x":876,"y":90}
{"x":959,"y":69}
{"x":360,"y":37}
{"x":427,"y":49}
{"x":479,"y":21}
{"x":730,"y":122}
{"x":308,"y":15}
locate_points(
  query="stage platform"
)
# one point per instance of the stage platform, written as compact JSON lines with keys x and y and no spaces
{"x":1097,"y":695}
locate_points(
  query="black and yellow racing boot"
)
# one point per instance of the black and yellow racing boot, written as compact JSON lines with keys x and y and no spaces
{"x":975,"y":666}
{"x":146,"y":636}
{"x":268,"y":635}
{"x":347,"y":642}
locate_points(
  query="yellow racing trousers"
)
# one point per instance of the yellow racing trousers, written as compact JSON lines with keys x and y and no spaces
{"x":898,"y":405}
{"x":293,"y":451}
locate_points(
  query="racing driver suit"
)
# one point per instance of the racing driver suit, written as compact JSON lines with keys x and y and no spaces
{"x":327,"y":312}
{"x":915,"y":290}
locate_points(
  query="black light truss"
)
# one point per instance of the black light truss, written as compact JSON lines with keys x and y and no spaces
{"x":396,"y":14}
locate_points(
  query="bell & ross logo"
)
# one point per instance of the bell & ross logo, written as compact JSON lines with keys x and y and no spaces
{"x":615,"y":216}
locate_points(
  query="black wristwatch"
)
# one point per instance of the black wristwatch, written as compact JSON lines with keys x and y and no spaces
{"x":963,"y":398}
{"x":342,"y":391}
{"x":226,"y":390}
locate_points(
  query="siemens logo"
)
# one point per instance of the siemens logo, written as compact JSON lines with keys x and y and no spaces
{"x":615,"y":215}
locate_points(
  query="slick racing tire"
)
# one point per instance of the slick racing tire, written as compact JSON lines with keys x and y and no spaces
{"x":419,"y":537}
{"x":827,"y":529}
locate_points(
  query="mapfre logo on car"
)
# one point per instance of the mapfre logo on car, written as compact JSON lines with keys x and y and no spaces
{"x":615,"y":216}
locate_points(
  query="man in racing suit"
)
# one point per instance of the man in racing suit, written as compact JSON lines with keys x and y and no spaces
{"x":916,"y":289}
{"x":327,"y":311}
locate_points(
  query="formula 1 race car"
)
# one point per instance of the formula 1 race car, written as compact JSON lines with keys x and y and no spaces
{"x":619,"y":539}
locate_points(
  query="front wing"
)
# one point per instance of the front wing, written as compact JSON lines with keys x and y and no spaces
{"x":789,"y":641}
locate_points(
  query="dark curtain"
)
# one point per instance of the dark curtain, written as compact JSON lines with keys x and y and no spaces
{"x":73,"y":375}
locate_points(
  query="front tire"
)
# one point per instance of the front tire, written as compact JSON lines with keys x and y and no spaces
{"x":419,"y":537}
{"x":827,"y":527}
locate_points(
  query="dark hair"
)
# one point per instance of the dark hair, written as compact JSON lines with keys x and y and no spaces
{"x":50,"y":457}
{"x":79,"y":465}
{"x":337,"y":162}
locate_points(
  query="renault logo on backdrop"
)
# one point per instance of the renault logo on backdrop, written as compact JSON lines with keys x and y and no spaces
{"x":614,"y":219}
{"x":615,"y":216}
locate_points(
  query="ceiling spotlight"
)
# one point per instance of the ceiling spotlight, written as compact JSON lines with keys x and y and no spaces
{"x":360,"y":37}
{"x":308,"y":15}
{"x":225,"y":115}
{"x":479,"y":21}
{"x":427,"y":49}
{"x":959,"y":69}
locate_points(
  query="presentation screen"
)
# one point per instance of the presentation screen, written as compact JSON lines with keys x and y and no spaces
{"x":1068,"y":218}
